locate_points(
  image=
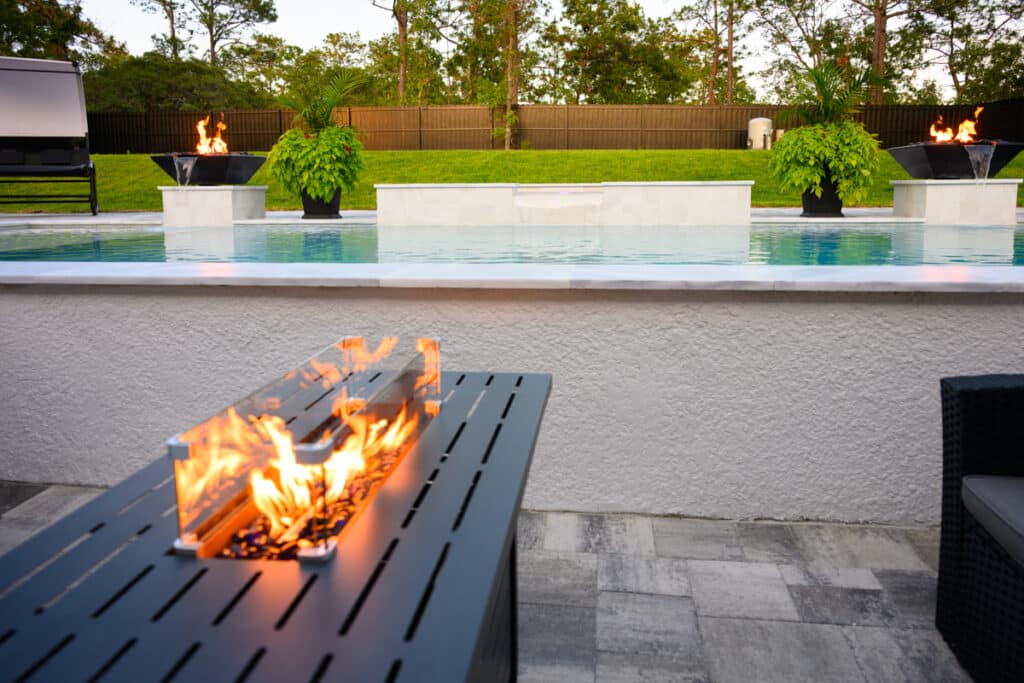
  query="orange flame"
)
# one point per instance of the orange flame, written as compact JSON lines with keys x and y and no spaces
{"x":292,"y":498}
{"x":965,"y":131}
{"x":214,"y":145}
{"x":230,"y":452}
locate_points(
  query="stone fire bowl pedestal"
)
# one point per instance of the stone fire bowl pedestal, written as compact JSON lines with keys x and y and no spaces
{"x":957,"y":202}
{"x":210,"y":205}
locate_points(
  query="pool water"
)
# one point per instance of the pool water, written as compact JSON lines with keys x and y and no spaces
{"x":766,"y":244}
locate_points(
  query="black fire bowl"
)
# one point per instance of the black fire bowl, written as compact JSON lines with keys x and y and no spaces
{"x":233,"y":168}
{"x":949,"y":160}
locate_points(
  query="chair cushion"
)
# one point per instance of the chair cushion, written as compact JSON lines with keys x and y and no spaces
{"x":998,"y":505}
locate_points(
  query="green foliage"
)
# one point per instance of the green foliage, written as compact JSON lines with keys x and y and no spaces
{"x":829,"y":93}
{"x":608,"y":52}
{"x":316,"y":107}
{"x":319,"y":163}
{"x":48,"y":29}
{"x":842,"y":150}
{"x":154,"y":82}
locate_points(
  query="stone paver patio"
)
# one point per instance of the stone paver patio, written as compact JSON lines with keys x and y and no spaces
{"x":618,"y":597}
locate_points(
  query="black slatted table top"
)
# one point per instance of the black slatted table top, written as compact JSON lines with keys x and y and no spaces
{"x":98,"y":596}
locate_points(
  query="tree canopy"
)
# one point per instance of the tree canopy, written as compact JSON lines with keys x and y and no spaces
{"x":214,"y":53}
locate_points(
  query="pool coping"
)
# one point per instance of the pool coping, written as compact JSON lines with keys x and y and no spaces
{"x":924,"y":278}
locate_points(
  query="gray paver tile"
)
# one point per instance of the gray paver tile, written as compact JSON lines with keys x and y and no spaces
{"x":656,"y":625}
{"x":621,"y":534}
{"x":696,"y":539}
{"x":839,"y":545}
{"x":745,"y":650}
{"x":740,"y":589}
{"x":53,"y":504}
{"x":912,"y":595}
{"x":825,"y":575}
{"x":904,"y":655}
{"x":561,"y":531}
{"x":628,"y":573}
{"x":926,"y":543}
{"x":14,"y":493}
{"x":831,"y":605}
{"x":530,"y":530}
{"x":558,"y":578}
{"x":768,"y":542}
{"x":556,"y":643}
{"x":615,"y":667}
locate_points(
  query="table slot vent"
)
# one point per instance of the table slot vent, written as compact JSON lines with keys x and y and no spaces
{"x":410,"y":633}
{"x":325,"y":664}
{"x":178,"y":596}
{"x":490,"y":444}
{"x":508,"y":405}
{"x":393,"y":672}
{"x":365,"y":593}
{"x":8,"y":634}
{"x":465,"y":501}
{"x":251,"y":665}
{"x":236,"y":599}
{"x":109,"y":664}
{"x":121,"y":593}
{"x":295,"y":603}
{"x":180,"y":664}
{"x":53,"y":652}
{"x":455,"y":439}
{"x":43,"y":565}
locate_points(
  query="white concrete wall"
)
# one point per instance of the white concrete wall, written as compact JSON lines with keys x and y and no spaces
{"x":646,"y":203}
{"x":716,"y":404}
{"x":957,"y":202}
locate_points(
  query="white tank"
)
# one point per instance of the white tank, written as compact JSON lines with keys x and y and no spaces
{"x":759,"y":134}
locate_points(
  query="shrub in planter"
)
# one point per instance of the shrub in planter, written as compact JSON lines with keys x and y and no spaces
{"x":318,"y":158}
{"x":833,"y":157}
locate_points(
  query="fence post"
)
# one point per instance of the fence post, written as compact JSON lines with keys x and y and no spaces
{"x":566,"y":108}
{"x":419,"y":126}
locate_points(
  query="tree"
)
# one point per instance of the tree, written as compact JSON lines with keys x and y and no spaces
{"x":881,"y":12}
{"x":225,"y":20}
{"x":608,"y":52}
{"x":156,"y":82}
{"x":972,"y":42}
{"x":176,"y":13}
{"x":264,"y":61}
{"x":47,"y":29}
{"x":796,"y":32}
{"x":717,"y":23}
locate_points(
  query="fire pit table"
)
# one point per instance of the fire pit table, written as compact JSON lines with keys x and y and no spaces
{"x":420,"y":587}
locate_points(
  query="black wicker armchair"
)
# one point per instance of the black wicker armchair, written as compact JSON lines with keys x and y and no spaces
{"x":980,"y":610}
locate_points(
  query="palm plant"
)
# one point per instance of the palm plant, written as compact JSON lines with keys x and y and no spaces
{"x":315,"y":111}
{"x":829,"y":93}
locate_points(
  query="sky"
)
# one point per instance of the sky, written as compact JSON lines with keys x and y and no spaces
{"x":300,"y":22}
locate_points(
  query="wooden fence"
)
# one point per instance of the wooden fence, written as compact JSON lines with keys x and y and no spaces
{"x":540,"y":126}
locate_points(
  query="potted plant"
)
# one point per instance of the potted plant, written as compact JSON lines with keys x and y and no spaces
{"x":831,"y":158}
{"x":318,"y":158}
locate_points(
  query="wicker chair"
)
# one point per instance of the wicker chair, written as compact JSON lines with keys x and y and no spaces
{"x":980,"y":608}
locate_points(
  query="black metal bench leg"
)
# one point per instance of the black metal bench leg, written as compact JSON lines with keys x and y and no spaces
{"x":93,"y":201}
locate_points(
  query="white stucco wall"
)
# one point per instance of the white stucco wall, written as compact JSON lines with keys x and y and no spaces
{"x":713,"y":404}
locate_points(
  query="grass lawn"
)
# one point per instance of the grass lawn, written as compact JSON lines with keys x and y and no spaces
{"x":128,"y":182}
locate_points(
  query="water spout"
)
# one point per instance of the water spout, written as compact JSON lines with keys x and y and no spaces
{"x":183,"y":166}
{"x":981,"y":159}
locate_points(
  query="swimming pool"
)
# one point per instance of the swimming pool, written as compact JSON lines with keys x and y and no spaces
{"x":784,"y":245}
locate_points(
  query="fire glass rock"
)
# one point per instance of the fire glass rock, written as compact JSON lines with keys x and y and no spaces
{"x":233,"y":168}
{"x":949,"y":160}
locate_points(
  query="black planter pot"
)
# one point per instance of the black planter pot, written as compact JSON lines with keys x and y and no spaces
{"x":828,"y":205}
{"x":314,"y":208}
